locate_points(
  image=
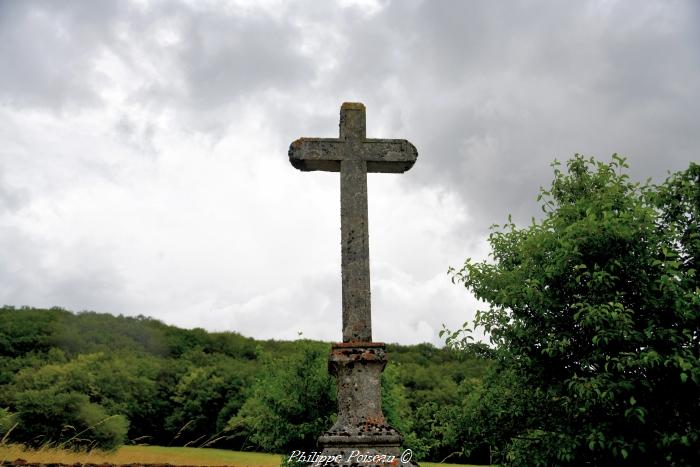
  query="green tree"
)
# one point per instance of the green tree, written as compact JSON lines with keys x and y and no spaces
{"x":66,"y":403}
{"x":205,"y":397}
{"x":292,"y":402}
{"x":594,"y":317}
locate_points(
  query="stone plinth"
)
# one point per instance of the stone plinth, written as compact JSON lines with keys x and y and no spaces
{"x":360,"y":425}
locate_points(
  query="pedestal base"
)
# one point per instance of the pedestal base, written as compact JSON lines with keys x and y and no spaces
{"x":360,"y":436}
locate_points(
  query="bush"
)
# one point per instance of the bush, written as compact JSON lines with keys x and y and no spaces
{"x":292,"y":403}
{"x":66,"y":419}
{"x":594,"y":314}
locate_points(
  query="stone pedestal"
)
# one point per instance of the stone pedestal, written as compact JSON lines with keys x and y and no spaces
{"x":361,"y":434}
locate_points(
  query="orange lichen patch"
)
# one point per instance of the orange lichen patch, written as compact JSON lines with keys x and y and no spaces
{"x":296,"y":144}
{"x":374,"y":421}
{"x":359,"y":344}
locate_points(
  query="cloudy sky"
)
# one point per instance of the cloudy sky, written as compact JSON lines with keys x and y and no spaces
{"x":143,"y":145}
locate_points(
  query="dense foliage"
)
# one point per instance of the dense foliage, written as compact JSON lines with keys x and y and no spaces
{"x":95,"y":379}
{"x":594,"y":317}
{"x":292,"y":401}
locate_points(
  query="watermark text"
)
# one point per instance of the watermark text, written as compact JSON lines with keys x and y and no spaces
{"x":317,"y":458}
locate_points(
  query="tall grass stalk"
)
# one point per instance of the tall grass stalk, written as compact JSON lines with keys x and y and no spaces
{"x":86,"y":429}
{"x":4,"y":438}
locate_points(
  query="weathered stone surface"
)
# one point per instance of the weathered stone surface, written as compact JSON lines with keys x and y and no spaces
{"x":360,"y":425}
{"x":357,"y":363}
{"x":353,"y":155}
{"x":358,"y":368}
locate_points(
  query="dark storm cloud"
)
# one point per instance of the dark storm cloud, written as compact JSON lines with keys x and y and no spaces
{"x":49,"y":51}
{"x":491,"y":91}
{"x":222,"y":61}
{"x":225,"y":57}
{"x":497,"y":90}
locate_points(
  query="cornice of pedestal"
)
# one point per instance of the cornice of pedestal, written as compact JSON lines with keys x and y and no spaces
{"x":358,"y":352}
{"x":349,"y":345}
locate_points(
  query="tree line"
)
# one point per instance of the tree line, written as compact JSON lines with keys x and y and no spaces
{"x":90,"y":379}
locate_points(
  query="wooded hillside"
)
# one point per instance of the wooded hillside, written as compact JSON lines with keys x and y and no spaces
{"x":96,"y":379}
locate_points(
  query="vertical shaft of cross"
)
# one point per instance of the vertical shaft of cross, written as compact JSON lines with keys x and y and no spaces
{"x":354,"y":227}
{"x":353,"y":155}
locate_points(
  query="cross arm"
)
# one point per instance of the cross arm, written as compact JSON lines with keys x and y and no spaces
{"x":389,"y":155}
{"x":307,"y":154}
{"x":382,"y":155}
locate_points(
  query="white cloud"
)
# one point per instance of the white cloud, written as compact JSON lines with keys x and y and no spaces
{"x":143,"y":165}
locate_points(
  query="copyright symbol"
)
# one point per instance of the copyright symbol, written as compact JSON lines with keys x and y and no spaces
{"x":406,"y":456}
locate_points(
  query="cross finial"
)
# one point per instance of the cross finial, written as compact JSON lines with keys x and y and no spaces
{"x":353,"y":121}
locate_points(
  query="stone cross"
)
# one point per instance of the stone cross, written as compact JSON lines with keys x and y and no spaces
{"x":354,"y":155}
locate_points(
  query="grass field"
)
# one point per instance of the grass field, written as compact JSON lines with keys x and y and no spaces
{"x":150,"y":455}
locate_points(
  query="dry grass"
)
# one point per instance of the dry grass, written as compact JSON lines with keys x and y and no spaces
{"x":141,"y":455}
{"x":151,"y":455}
